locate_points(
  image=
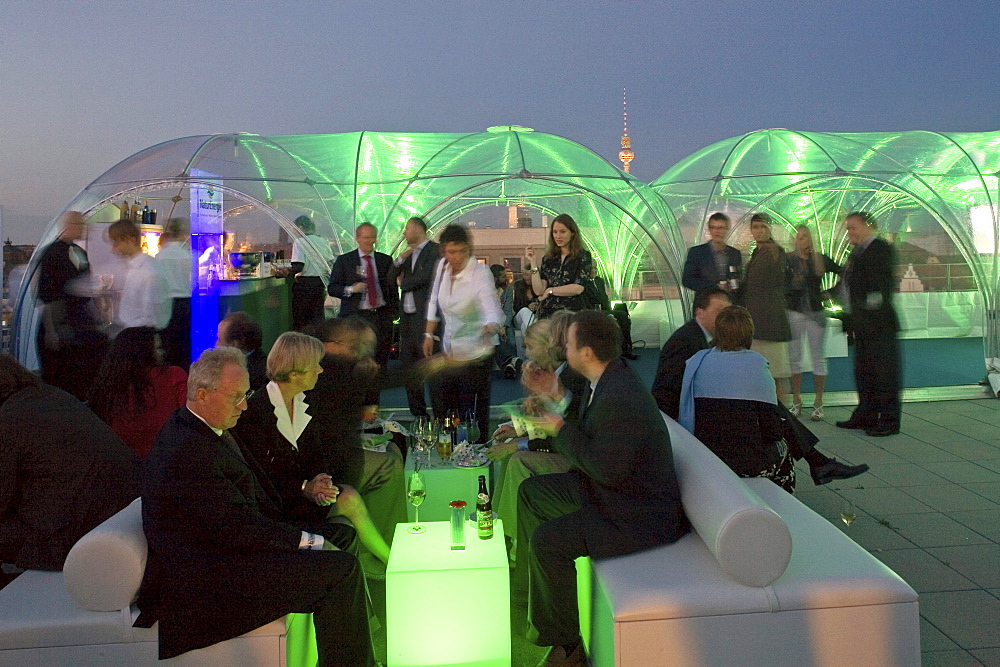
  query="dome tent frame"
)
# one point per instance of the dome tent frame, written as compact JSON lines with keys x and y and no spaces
{"x":947,"y":180}
{"x":341,"y":180}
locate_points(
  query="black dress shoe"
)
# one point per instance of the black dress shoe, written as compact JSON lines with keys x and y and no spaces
{"x":852,"y":423}
{"x":834,"y":469}
{"x":881,"y":431}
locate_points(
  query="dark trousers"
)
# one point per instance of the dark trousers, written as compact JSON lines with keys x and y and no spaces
{"x":467,"y":388}
{"x":308,"y":297}
{"x":257,"y":588}
{"x":380,"y":320}
{"x":877,"y":376}
{"x":411,"y":340}
{"x":176,"y":337}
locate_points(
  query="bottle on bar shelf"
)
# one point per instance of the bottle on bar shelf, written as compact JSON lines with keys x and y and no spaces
{"x":124,"y":215}
{"x":136,"y":212}
{"x":484,"y":511}
{"x":145,"y":213}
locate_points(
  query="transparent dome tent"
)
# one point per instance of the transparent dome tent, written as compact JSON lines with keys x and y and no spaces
{"x":342,"y":180}
{"x":934,"y":196}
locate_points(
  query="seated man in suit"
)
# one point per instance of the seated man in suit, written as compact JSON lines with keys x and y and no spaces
{"x":224,"y":559}
{"x":621,"y":497}
{"x":713,"y":264}
{"x":63,"y":471}
{"x":696,"y":335}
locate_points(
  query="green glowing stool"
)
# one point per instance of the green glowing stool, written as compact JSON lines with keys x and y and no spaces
{"x":444,"y":606}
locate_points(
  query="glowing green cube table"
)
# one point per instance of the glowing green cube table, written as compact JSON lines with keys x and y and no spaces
{"x":446,"y":607}
{"x":445,"y":483}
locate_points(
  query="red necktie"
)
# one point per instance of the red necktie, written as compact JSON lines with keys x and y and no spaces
{"x":370,"y":287}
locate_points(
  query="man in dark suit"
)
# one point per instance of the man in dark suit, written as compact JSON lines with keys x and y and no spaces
{"x":241,"y":331}
{"x":362,"y":279}
{"x":225,"y":558}
{"x":691,"y":337}
{"x":63,"y":471}
{"x":70,"y":344}
{"x":713,"y":264}
{"x":621,"y":497}
{"x":413,"y":271}
{"x":873,"y":321}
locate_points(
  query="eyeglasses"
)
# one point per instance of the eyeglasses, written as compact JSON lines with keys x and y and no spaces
{"x":244,"y":397}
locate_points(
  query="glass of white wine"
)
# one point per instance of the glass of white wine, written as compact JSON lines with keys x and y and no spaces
{"x":416,"y":492}
{"x":848,"y":513}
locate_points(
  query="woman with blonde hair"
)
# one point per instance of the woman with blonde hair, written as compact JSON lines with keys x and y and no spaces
{"x":275,"y":428}
{"x":806,"y":316}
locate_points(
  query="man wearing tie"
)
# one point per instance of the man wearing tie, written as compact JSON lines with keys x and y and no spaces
{"x":362,"y":280}
{"x":413,"y":271}
{"x":621,"y":496}
{"x":873,"y":320}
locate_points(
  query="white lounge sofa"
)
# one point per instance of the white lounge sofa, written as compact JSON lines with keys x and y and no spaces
{"x":760,"y":580}
{"x":83,"y":615}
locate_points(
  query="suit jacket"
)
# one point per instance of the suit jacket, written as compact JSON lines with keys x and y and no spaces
{"x":680,"y":347}
{"x":205,"y":510}
{"x":345,"y":273}
{"x":285,"y":465}
{"x":700,"y":271}
{"x":62,"y":472}
{"x":870,"y":284}
{"x":417,"y":280}
{"x":257,"y":368}
{"x":622,"y":449}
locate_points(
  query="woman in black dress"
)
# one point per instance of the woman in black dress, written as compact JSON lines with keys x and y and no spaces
{"x":566,"y":266}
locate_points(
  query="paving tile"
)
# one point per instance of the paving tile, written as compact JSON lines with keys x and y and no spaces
{"x":978,"y":562}
{"x":987,"y":656}
{"x":984,"y":522}
{"x":881,"y":501}
{"x":872,"y":535}
{"x":956,"y":658}
{"x":970,"y":449}
{"x":920,"y":452}
{"x":932,"y":639}
{"x":968,"y":618}
{"x":991,"y":464}
{"x":933,"y":530}
{"x":948,"y":497}
{"x":961,"y":472}
{"x":936,"y":434}
{"x":925,"y":574}
{"x":824,"y":502}
{"x":989,"y":490}
{"x":948,"y":659}
{"x":904,"y":474}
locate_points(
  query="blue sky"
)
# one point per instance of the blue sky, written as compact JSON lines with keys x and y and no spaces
{"x":84,"y":85}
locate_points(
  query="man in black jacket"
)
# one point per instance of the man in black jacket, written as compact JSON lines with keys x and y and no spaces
{"x":713,"y":264}
{"x":872,"y":319}
{"x":413,"y":271}
{"x":225,"y":559}
{"x":621,"y":497}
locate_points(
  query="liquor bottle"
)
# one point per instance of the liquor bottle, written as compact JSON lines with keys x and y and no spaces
{"x":734,"y":283}
{"x":453,"y":423}
{"x":124,"y":211}
{"x":145,"y":213}
{"x":136,"y":213}
{"x":484,"y":511}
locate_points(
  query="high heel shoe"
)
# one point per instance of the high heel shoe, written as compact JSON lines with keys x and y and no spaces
{"x":817,"y":414}
{"x":796,"y":409}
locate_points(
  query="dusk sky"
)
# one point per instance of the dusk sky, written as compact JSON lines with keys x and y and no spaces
{"x":84,"y":85}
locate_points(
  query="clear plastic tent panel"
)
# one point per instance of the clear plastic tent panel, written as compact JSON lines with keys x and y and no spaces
{"x":341,"y":180}
{"x":934,"y":195}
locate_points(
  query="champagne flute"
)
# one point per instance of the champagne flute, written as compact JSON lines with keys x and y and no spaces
{"x":848,"y":513}
{"x":416,"y":493}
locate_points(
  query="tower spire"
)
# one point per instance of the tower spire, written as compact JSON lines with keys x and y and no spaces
{"x":625,"y":154}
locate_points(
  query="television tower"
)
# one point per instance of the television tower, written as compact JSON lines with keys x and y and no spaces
{"x":625,"y":154}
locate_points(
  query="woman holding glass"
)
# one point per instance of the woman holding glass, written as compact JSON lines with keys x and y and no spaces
{"x":275,"y":428}
{"x":567,"y":265}
{"x":463,"y":294}
{"x":807,"y":317}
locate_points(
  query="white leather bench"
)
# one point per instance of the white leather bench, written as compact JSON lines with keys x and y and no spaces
{"x":760,"y":580}
{"x":83,"y":615}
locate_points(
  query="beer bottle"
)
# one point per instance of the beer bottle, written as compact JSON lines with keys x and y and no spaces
{"x":484,"y":511}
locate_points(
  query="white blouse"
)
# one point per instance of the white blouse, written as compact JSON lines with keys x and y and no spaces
{"x":468,"y":303}
{"x":288,"y":427}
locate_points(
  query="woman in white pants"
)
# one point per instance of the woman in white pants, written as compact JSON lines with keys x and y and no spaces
{"x":807,"y":317}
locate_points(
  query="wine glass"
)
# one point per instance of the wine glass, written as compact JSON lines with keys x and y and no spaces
{"x":848,"y":513}
{"x":416,"y":493}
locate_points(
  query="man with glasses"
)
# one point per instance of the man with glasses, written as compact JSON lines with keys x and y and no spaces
{"x":224,"y":558}
{"x":713,"y":264}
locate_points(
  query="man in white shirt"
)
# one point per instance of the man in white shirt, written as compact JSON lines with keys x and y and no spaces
{"x":174,"y":264}
{"x":311,"y":259}
{"x":141,"y":303}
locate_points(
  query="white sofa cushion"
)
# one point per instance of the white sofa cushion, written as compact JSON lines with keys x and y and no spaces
{"x":749,"y":540}
{"x":104,"y":568}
